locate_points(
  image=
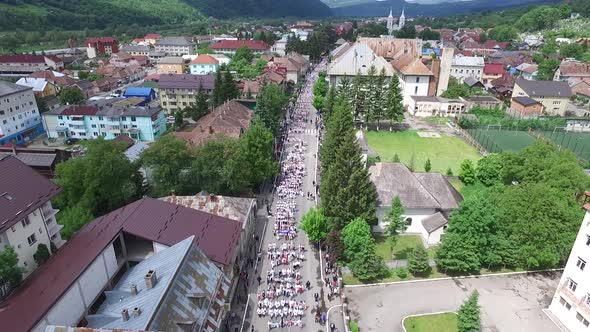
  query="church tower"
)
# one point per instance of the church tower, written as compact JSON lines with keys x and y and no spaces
{"x":390,"y":22}
{"x":402,"y":19}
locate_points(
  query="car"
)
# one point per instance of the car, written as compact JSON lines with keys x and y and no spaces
{"x":71,"y":140}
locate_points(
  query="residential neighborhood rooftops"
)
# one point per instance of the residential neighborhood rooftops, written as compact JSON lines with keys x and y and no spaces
{"x":100,"y":40}
{"x":574,"y":69}
{"x":468,"y":61}
{"x":8,"y":88}
{"x":172,"y":60}
{"x":545,"y":88}
{"x":152,"y":36}
{"x":37,"y":84}
{"x":135,"y":48}
{"x":525,"y":101}
{"x":493,"y":69}
{"x":22,"y":58}
{"x":22,"y":190}
{"x":234,"y":208}
{"x":254,"y":45}
{"x":186,"y":81}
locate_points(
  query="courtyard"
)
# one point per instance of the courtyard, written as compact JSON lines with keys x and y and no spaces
{"x":508,"y":303}
{"x":444,"y":152}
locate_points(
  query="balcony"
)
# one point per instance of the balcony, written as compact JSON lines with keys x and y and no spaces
{"x":54,"y":228}
{"x":48,"y":211}
{"x":115,"y":129}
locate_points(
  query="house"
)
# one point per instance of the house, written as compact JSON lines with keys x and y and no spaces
{"x":572,"y":69}
{"x":338,"y":51}
{"x":104,"y":84}
{"x":232,"y":119}
{"x":25,"y":64}
{"x":178,"y":91}
{"x":155,"y":57}
{"x":502,"y":87}
{"x":123,"y":60}
{"x":414,"y":77}
{"x":231,"y":46}
{"x":482,"y":102}
{"x":203,"y":64}
{"x":20,"y":120}
{"x":570,"y":302}
{"x":251,"y":88}
{"x":428,"y":199}
{"x":146,"y":93}
{"x":304,"y":25}
{"x":280,"y":46}
{"x":467,"y":66}
{"x":175,"y":46}
{"x":89,"y":272}
{"x":527,"y":71}
{"x":221,"y":58}
{"x":143,"y":50}
{"x":59,"y":80}
{"x":581,"y":89}
{"x":358,"y":59}
{"x":473,"y":82}
{"x":554,"y":95}
{"x":42,"y":160}
{"x":525,"y":106}
{"x":105,"y":119}
{"x":491,"y":71}
{"x":101,"y":46}
{"x":171,"y":65}
{"x":40,"y":86}
{"x":152,"y":38}
{"x":28,"y":217}
{"x":533,"y":40}
{"x":294,"y":69}
{"x":426,"y":106}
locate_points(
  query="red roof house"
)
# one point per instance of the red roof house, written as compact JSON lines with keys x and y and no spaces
{"x":493,"y":69}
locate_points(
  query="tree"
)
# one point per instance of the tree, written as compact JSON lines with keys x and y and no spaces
{"x":370,"y":102}
{"x":428,"y":34}
{"x":168,"y":157}
{"x":201,"y":104}
{"x":396,"y":224}
{"x":270,"y":105}
{"x":73,"y":219}
{"x":408,"y":31}
{"x":489,"y":169}
{"x":71,"y":96}
{"x":178,"y":119}
{"x":243,"y":53}
{"x":468,"y":316}
{"x":10,"y":273}
{"x":427,"y":165}
{"x":218,"y":93}
{"x":395,"y":158}
{"x":315,"y":225}
{"x":547,"y":69}
{"x":42,"y":254}
{"x":573,"y":50}
{"x":395,"y":107}
{"x":449,"y":172}
{"x":255,"y":154}
{"x":467,"y":172}
{"x":356,"y":235}
{"x":230,"y":88}
{"x":318,"y":102}
{"x":368,"y":266}
{"x":418,"y":262}
{"x":503,"y":33}
{"x":328,"y":103}
{"x":41,"y":104}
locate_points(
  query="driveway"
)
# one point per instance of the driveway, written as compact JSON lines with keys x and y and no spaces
{"x":508,"y":303}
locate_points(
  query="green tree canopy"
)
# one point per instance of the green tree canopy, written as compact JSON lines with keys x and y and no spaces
{"x":71,"y":96}
{"x":10,"y":273}
{"x":73,"y":219}
{"x":468,"y":317}
{"x":315,"y":225}
{"x":418,"y":262}
{"x":270,"y":106}
{"x":243,"y":53}
{"x":467,"y":172}
{"x":255,"y":154}
{"x":490,"y":169}
{"x":42,"y":254}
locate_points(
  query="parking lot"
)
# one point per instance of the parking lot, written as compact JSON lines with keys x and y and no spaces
{"x":508,"y":303}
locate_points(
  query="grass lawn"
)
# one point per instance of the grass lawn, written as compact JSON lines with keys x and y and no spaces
{"x":458,"y":184}
{"x":404,"y":245}
{"x":444,"y":152}
{"x":446,"y":322}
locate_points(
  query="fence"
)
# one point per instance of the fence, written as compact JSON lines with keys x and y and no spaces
{"x":577,"y":142}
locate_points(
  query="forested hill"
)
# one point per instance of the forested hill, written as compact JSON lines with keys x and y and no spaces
{"x":39,"y":15}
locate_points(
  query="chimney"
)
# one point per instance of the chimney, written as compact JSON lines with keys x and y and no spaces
{"x":13,"y":146}
{"x":150,"y":279}
{"x":133,"y":289}
{"x":125,"y":315}
{"x":136,"y":312}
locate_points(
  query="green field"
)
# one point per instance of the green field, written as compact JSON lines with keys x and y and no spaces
{"x":446,"y":322}
{"x":578,"y":143}
{"x":497,"y":141}
{"x":444,"y":152}
{"x":403,"y":246}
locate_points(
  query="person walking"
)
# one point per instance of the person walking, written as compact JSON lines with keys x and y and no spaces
{"x":259,"y":279}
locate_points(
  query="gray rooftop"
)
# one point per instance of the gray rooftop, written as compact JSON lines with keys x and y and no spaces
{"x":433,"y":99}
{"x":175,"y":41}
{"x":234,"y":208}
{"x":524,"y":100}
{"x":175,"y":60}
{"x":442,"y":191}
{"x":33,"y":159}
{"x":471,"y":81}
{"x":135,"y":150}
{"x":434,"y":222}
{"x":468,"y":61}
{"x":8,"y":88}
{"x":545,"y":88}
{"x":135,"y":48}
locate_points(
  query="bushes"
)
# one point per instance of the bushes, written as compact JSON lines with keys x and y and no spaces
{"x":468,"y":315}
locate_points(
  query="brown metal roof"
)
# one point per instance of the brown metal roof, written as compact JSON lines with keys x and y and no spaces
{"x":22,"y":190}
{"x":148,"y":218}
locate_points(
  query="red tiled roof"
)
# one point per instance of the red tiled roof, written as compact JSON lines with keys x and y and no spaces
{"x":147,"y":218}
{"x":22,"y":190}
{"x":256,"y":45}
{"x":152,"y":36}
{"x":106,"y":40}
{"x":24,"y":58}
{"x":496,"y":45}
{"x":493,"y":68}
{"x":205,"y":59}
{"x":80,"y":110}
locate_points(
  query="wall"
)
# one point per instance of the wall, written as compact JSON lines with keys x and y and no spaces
{"x":409,"y":85}
{"x":18,"y":113}
{"x":462,"y":72}
{"x":553,"y":105}
{"x":417,"y":216}
{"x":535,"y":109}
{"x":445,"y":70}
{"x":202,"y":69}
{"x":170,"y":68}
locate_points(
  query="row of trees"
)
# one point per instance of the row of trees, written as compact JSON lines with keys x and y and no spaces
{"x":524,"y":208}
{"x":317,"y":44}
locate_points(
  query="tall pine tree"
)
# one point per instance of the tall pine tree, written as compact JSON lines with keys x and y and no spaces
{"x":380,"y":98}
{"x":370,"y":98}
{"x":230,"y":88}
{"x":395,"y":106}
{"x":218,"y":93}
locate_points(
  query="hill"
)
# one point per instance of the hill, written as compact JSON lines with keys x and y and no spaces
{"x":40,"y":15}
{"x":381,"y":8}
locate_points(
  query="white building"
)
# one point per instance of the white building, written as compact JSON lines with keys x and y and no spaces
{"x":176,"y":46}
{"x":20,"y":120}
{"x":425,"y":106}
{"x":358,"y":59}
{"x":414,"y":77}
{"x":571,"y":302}
{"x":467,"y":66}
{"x":26,"y":214}
{"x":280,"y":46}
{"x":391,"y":27}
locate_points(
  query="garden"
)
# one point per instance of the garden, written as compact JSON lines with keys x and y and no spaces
{"x":443,"y":322}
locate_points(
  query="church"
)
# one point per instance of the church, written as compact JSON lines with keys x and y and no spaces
{"x":391,"y":27}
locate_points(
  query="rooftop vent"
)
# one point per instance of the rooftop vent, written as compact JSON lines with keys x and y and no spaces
{"x":150,"y":279}
{"x":136,"y":312}
{"x":125,"y":315}
{"x":133,"y":289}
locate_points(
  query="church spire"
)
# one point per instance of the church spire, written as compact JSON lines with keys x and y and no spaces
{"x":390,"y":12}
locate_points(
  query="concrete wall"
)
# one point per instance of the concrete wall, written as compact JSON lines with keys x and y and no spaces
{"x":414,"y":86}
{"x":553,"y":105}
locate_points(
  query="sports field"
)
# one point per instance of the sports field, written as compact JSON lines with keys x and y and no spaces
{"x":497,"y":141}
{"x":578,"y":143}
{"x":444,"y":152}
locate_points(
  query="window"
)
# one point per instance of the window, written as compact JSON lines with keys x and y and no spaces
{"x":581,"y":264}
{"x":32,"y":239}
{"x":95,"y":133}
{"x":60,"y":117}
{"x":416,"y":90}
{"x":564,"y":303}
{"x":93,"y":126}
{"x":25,"y":222}
{"x":132,"y":118}
{"x":417,"y":79}
{"x":588,"y":240}
{"x":40,"y":230}
{"x":104,"y":134}
{"x":572,"y":285}
{"x":100,"y":118}
{"x":101,"y":126}
{"x":123,"y":118}
{"x":582,"y":320}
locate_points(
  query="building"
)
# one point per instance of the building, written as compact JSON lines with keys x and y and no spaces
{"x":88,"y":270}
{"x":425,"y":106}
{"x":358,"y":59}
{"x":203,"y":64}
{"x":171,"y":65}
{"x":428,"y":199}
{"x":25,"y":64}
{"x":176,"y":46}
{"x":280,"y":46}
{"x":295,"y":66}
{"x":391,"y":27}
{"x":482,"y":102}
{"x":572,"y":69}
{"x":526,"y":107}
{"x":101,"y":46}
{"x":467,"y":66}
{"x":221,"y":58}
{"x":178,"y":91}
{"x":571,"y":301}
{"x":527,"y":71}
{"x":146,"y":93}
{"x":106,"y":120}
{"x":152,"y":38}
{"x":232,"y":119}
{"x":136,"y":49}
{"x":124,"y":60}
{"x":491,"y":71}
{"x":414,"y":77}
{"x":231,"y":46}
{"x":42,"y":160}
{"x":554,"y":95}
{"x":26,"y":214}
{"x":20,"y":120}
{"x":40,"y":86}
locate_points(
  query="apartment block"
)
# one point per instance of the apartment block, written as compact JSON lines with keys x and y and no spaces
{"x":27,"y":217}
{"x":19,"y":115}
{"x":101,"y":46}
{"x":178,"y":91}
{"x":176,"y":46}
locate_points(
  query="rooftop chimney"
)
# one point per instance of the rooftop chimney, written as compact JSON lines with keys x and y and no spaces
{"x":150,"y":279}
{"x":125,"y":314}
{"x":133,"y":289}
{"x":136,"y":312}
{"x":13,"y":146}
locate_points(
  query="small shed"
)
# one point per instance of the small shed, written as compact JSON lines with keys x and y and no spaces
{"x":147,"y":93}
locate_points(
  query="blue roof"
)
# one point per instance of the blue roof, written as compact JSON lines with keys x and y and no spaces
{"x":138,"y":91}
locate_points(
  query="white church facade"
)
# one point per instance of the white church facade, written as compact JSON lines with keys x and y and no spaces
{"x":391,"y":27}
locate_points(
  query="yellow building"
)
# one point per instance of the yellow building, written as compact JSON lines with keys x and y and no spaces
{"x":171,"y":65}
{"x":40,"y":86}
{"x":554,"y":95}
